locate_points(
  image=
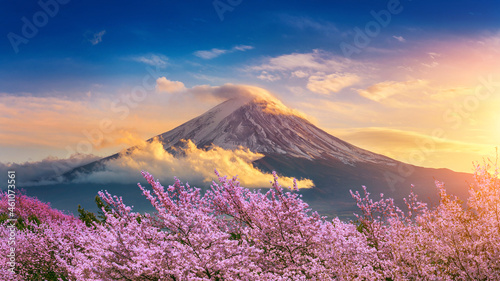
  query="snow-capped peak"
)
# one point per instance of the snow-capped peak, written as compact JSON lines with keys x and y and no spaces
{"x":263,"y":124}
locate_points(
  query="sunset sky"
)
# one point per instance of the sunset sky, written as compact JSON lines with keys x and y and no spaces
{"x":418,"y":81}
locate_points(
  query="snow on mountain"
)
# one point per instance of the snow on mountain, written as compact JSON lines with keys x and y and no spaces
{"x":264,"y":125}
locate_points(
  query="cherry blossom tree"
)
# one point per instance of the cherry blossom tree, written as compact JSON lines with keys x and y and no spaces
{"x":44,"y":239}
{"x":233,"y":233}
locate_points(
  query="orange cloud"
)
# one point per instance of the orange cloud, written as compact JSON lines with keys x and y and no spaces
{"x":58,"y":123}
{"x":167,"y":86}
{"x":47,"y":121}
{"x":434,"y":149}
{"x":195,"y":164}
{"x":332,"y":83}
{"x":382,"y":91}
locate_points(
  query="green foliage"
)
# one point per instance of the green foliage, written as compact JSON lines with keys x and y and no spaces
{"x":361,"y":227}
{"x":3,"y":217}
{"x":90,"y":218}
{"x":22,"y":225}
{"x":87,"y":217}
{"x":235,"y":236}
{"x":100,"y":205}
{"x":49,"y":275}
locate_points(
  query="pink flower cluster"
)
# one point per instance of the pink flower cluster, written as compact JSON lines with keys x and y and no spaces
{"x":233,"y":233}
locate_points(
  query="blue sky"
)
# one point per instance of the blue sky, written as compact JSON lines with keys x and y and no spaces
{"x":430,"y":53}
{"x":61,"y":57}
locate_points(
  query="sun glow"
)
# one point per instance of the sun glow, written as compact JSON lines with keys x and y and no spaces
{"x":497,"y":129}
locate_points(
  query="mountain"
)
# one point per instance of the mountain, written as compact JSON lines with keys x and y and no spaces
{"x":294,"y":147}
{"x":269,"y":128}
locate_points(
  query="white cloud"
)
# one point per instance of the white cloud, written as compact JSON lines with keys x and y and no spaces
{"x":97,"y":37}
{"x":326,"y":84}
{"x":300,"y":74}
{"x":45,"y":171}
{"x":242,"y":48}
{"x":269,"y":77}
{"x":399,"y":38}
{"x":312,"y":65}
{"x":215,"y":94}
{"x":316,"y":61}
{"x":166,"y":86}
{"x":210,"y":54}
{"x":154,"y":60}
{"x":213,"y":53}
{"x":219,"y":93}
{"x":196,"y":165}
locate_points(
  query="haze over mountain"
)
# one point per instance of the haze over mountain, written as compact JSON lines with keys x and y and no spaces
{"x":253,"y":126}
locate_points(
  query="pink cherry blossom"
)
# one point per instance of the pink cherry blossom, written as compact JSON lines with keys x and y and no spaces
{"x":234,"y":233}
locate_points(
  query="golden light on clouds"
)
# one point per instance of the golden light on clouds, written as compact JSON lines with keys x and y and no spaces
{"x":332,"y":83}
{"x":167,"y":86}
{"x":192,"y":163}
{"x":401,"y":92}
{"x":428,"y":150}
{"x":63,"y":125}
{"x":47,"y":121}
